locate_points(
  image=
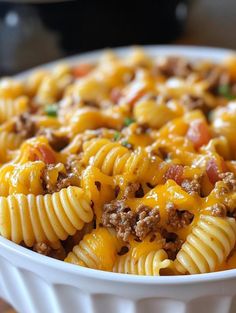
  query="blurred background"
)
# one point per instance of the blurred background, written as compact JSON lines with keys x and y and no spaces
{"x":34,"y":31}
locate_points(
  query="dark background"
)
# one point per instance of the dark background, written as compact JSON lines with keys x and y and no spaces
{"x":32,"y":33}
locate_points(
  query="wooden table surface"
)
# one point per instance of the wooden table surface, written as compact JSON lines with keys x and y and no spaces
{"x":210,"y":23}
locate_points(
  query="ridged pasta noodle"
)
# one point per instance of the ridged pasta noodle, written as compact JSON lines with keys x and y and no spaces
{"x":114,"y":159}
{"x":8,"y":141}
{"x":21,"y":178}
{"x":207,"y":246}
{"x":153,"y":263}
{"x":48,"y":218}
{"x":90,"y":251}
{"x":11,"y":88}
{"x":10,"y":107}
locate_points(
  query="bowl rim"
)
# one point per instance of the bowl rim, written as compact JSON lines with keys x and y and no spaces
{"x":192,"y":52}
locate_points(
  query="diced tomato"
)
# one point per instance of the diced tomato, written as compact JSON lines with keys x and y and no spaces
{"x":47,"y":154}
{"x":81,"y":70}
{"x":213,"y":170}
{"x":116,"y":94}
{"x":175,"y":172}
{"x":43,"y":153}
{"x":198,"y":133}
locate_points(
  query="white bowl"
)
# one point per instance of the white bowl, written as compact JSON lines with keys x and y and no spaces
{"x":33,"y":283}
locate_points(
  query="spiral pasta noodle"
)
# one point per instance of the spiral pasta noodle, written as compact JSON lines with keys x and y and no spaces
{"x":10,"y":108}
{"x":8,"y":141}
{"x":48,"y":218}
{"x":207,"y":246}
{"x":114,"y":159}
{"x":150,"y":264}
{"x":96,"y":250}
{"x":21,"y":178}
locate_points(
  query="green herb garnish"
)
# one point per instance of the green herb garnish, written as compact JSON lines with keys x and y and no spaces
{"x":51,"y":110}
{"x":116,"y":136}
{"x":225,"y":91}
{"x":128,"y":121}
{"x":126,"y":144}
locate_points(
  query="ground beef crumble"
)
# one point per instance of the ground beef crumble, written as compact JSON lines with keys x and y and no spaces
{"x":147,"y":220}
{"x":25,"y":126}
{"x":178,"y":219}
{"x":42,"y":248}
{"x":193,"y":103}
{"x":192,"y":187}
{"x":64,"y":179}
{"x":229,"y":179}
{"x":126,"y":222}
{"x":216,"y":76}
{"x":174,"y":66}
{"x":56,"y":141}
{"x":218,"y":210}
{"x":134,"y":190}
{"x":172,"y":243}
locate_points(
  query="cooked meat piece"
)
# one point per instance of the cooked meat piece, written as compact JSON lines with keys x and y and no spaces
{"x":73,"y":164}
{"x":229,"y":179}
{"x":216,"y":76}
{"x":42,"y":248}
{"x":193,"y":103}
{"x":192,"y":187}
{"x":178,"y":219}
{"x":171,"y":244}
{"x":64,"y":179}
{"x":118,"y":215}
{"x":25,"y":126}
{"x":218,"y":209}
{"x":174,"y":66}
{"x":147,"y":220}
{"x":56,"y":141}
{"x":172,"y":248}
{"x":140,"y":223}
{"x":134,"y":190}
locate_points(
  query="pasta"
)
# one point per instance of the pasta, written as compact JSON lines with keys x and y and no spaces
{"x":97,"y":250}
{"x":114,"y":159}
{"x":12,"y":107}
{"x":126,"y":164}
{"x":44,"y":218}
{"x":207,"y":246}
{"x":8,"y":141}
{"x":153,"y":264}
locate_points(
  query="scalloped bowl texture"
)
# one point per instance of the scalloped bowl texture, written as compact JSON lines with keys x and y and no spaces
{"x":33,"y":283}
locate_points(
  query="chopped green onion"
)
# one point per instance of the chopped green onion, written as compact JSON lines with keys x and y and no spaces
{"x":225,"y":91}
{"x":128,"y":121}
{"x":126,"y":144}
{"x":51,"y":110}
{"x":116,"y":136}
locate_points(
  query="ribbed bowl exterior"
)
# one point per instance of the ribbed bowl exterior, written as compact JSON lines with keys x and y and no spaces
{"x":32,"y":283}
